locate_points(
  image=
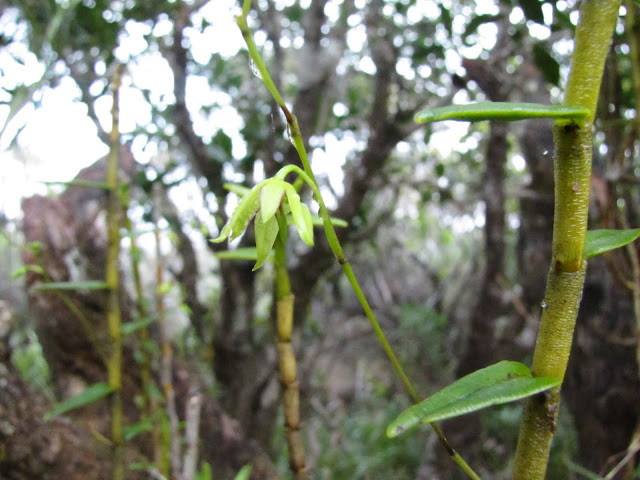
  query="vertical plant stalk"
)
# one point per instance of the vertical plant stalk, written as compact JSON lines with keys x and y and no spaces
{"x":149,"y":402}
{"x":172,"y":463}
{"x":296,"y":138}
{"x":114,"y":320}
{"x":287,"y":363}
{"x":565,"y":282}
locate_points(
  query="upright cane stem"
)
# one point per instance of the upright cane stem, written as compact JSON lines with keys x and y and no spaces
{"x":114,"y":318}
{"x":287,"y":364}
{"x":565,"y":282}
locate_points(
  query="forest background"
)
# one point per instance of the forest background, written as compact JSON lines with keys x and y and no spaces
{"x":449,"y":230}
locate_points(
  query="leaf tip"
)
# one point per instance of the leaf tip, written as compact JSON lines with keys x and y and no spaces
{"x":219,"y":239}
{"x":394,"y":430}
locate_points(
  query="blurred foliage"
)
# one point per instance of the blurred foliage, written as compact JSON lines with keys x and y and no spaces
{"x":28,"y":358}
{"x":427,"y":349}
{"x":355,"y":446}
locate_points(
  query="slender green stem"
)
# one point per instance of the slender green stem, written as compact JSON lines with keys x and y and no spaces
{"x":330,"y":232}
{"x":378,"y":330}
{"x":149,"y":405}
{"x":565,"y":282}
{"x":114,"y":221}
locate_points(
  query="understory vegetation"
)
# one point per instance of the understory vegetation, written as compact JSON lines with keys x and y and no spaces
{"x":314,"y":227}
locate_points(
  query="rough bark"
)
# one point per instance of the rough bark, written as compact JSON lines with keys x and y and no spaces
{"x":34,"y":448}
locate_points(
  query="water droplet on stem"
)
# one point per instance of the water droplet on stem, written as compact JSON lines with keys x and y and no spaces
{"x":254,"y":69}
{"x":290,"y":136}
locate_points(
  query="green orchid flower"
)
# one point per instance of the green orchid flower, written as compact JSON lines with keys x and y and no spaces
{"x":273,"y":203}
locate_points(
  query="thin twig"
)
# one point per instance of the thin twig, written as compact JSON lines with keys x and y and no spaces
{"x":332,"y":237}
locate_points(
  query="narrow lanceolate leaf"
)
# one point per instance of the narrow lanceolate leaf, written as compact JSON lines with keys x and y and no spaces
{"x":89,"y":395}
{"x":602,"y":241}
{"x":244,"y":212}
{"x":81,"y":183}
{"x":503,"y":382}
{"x":301,"y":216}
{"x":271,"y":195}
{"x":89,"y":285}
{"x":132,"y":327}
{"x":501,"y":111}
{"x":245,"y":253}
{"x":242,"y":215}
{"x":336,"y":222}
{"x":135,"y":429}
{"x":266,"y":234}
{"x":307,"y":235}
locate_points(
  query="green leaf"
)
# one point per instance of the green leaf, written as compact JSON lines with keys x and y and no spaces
{"x":500,"y":111}
{"x":81,"y":183}
{"x":301,"y":216}
{"x":336,"y":222}
{"x":245,"y":253}
{"x":307,"y":235}
{"x":602,"y":241}
{"x":135,"y":429}
{"x":27,"y":268}
{"x":242,"y":215}
{"x":266,"y":234}
{"x":503,"y":382}
{"x":271,"y":195}
{"x":89,"y":395}
{"x":88,"y":285}
{"x":244,"y":473}
{"x":131,"y":327}
{"x":205,"y":472}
